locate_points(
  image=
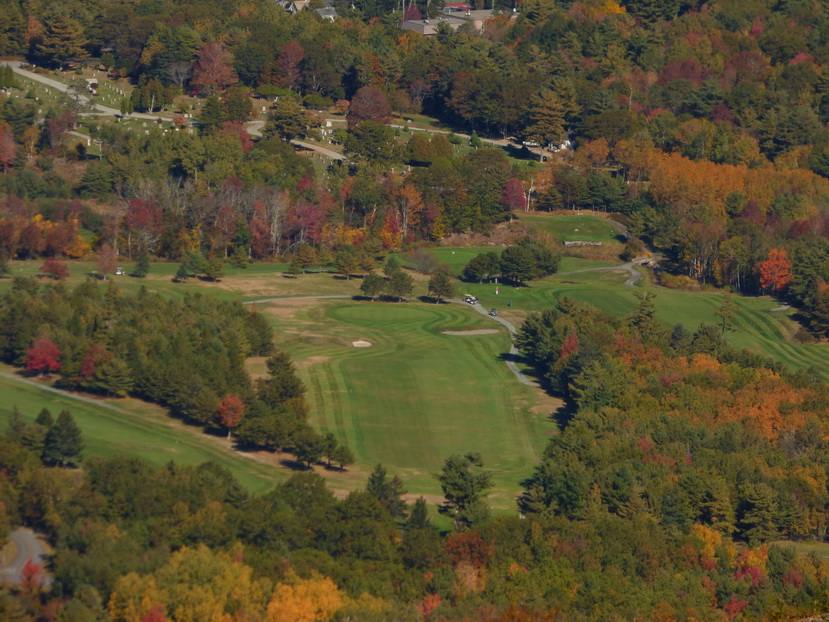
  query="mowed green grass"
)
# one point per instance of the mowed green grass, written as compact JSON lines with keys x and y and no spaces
{"x":572,"y":227}
{"x":805,"y":548}
{"x":108,"y":432}
{"x":417,"y":395}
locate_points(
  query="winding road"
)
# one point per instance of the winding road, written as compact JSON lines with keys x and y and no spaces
{"x":28,"y":548}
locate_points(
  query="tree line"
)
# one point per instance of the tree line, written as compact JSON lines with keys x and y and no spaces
{"x":188,"y":356}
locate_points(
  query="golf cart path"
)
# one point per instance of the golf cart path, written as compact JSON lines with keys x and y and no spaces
{"x":522,"y":378}
{"x":28,"y":548}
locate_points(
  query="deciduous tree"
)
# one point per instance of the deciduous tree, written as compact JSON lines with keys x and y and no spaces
{"x":775,"y":271}
{"x":107,"y":261}
{"x":43,"y":356}
{"x":230,"y":412}
{"x":213,"y":70}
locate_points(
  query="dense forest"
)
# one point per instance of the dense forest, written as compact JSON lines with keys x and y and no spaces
{"x":704,"y":124}
{"x":681,"y":460}
{"x":680,"y":463}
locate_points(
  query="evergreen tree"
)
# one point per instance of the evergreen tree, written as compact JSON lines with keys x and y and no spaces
{"x":62,"y":38}
{"x":373,"y":285}
{"x":114,"y":377}
{"x":294,"y":267}
{"x":463,"y":487}
{"x":212,"y":114}
{"x":142,"y":267}
{"x":44,"y":418}
{"x":181,"y":274}
{"x":440,"y":286}
{"x":400,"y":285}
{"x":63,"y":444}
{"x":215,"y":269}
{"x":389,"y":492}
{"x":4,"y":265}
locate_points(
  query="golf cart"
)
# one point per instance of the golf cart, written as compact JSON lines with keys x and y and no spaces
{"x":470,"y":299}
{"x":493,"y":313}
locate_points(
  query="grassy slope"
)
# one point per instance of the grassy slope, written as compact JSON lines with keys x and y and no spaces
{"x":110,"y":433}
{"x":417,"y":395}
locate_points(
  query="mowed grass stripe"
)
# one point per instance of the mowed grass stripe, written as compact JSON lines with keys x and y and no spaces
{"x":110,"y":433}
{"x":417,"y":395}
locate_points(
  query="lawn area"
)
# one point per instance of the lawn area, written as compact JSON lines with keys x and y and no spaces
{"x":582,"y":226}
{"x":156,"y":439}
{"x":416,"y":395}
{"x":804,"y":548}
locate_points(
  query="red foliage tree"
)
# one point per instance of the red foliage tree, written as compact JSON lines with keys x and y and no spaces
{"x":776,"y":271}
{"x":230,"y":412}
{"x":428,"y":605}
{"x":290,"y":64}
{"x":213,"y":70}
{"x":43,"y":356}
{"x":8,"y":150}
{"x":369,"y":104}
{"x":514,"y":196}
{"x":55,"y":268}
{"x":89,"y":361}
{"x":32,"y":577}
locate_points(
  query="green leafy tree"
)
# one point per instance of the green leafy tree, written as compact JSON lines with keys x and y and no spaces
{"x":400,"y":285}
{"x":343,"y":456}
{"x":215,"y":269}
{"x":4,"y":265}
{"x":373,"y":285}
{"x":484,"y":266}
{"x":182,"y":274}
{"x":289,"y":120}
{"x":440,"y":286}
{"x":463,"y":484}
{"x":372,"y":141}
{"x":518,"y":263}
{"x":348,"y":261}
{"x":64,"y":442}
{"x":306,"y":256}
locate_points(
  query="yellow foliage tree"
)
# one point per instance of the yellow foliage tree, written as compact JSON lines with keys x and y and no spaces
{"x":305,"y":600}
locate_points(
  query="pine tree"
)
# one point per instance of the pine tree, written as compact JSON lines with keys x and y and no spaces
{"x":142,"y":268}
{"x":400,"y":285}
{"x":64,"y":442}
{"x":62,"y":38}
{"x":546,"y":116}
{"x":181,"y":274}
{"x":114,"y":377}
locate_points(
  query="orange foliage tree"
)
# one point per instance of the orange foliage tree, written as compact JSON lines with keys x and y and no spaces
{"x":230,"y":412}
{"x":775,"y":271}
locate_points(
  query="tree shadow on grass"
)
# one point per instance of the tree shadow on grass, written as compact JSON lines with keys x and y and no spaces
{"x":294,"y":465}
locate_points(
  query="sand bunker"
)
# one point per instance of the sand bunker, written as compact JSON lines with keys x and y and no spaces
{"x":464,"y":333}
{"x":361,"y":344}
